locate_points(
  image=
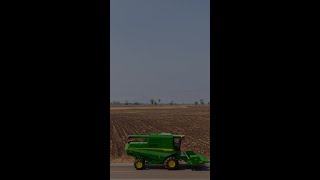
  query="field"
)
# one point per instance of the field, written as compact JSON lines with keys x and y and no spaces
{"x":192,"y":121}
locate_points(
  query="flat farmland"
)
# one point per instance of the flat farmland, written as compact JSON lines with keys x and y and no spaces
{"x":192,"y":121}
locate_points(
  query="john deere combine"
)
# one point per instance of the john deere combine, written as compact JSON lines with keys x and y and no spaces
{"x":162,"y":148}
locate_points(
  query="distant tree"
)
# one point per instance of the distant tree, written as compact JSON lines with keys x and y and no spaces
{"x":201,"y":101}
{"x":196,"y":103}
{"x":152,"y":101}
{"x":159,"y":100}
{"x":171,"y":103}
{"x":116,"y":102}
{"x":126,"y":103}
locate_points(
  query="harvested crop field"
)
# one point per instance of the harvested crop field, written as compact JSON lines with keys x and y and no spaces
{"x":191,"y":121}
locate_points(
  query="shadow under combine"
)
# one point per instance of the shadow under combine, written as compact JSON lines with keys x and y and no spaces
{"x":180,"y":167}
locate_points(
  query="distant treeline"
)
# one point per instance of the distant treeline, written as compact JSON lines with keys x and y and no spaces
{"x":156,"y":102}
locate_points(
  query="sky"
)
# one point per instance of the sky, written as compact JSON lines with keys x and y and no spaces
{"x":160,"y":49}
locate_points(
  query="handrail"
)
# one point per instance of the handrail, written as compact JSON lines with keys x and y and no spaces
{"x":186,"y":154}
{"x":138,"y":136}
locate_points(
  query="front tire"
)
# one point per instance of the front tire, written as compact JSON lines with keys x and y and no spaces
{"x":171,"y":163}
{"x":139,"y":164}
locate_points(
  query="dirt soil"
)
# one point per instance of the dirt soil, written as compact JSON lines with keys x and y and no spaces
{"x":191,"y":121}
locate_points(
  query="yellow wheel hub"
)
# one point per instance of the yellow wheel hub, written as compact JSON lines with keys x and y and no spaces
{"x":139,"y":164}
{"x":172,"y":163}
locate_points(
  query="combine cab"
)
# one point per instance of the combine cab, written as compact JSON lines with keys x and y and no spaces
{"x":163,"y":148}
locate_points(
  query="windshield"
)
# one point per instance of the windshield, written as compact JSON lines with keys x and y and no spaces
{"x":177,"y":143}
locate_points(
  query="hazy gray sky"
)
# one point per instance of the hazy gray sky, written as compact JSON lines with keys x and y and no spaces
{"x":160,"y":49}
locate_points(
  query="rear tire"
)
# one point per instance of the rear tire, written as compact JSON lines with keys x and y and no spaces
{"x":139,"y":164}
{"x":171,"y":163}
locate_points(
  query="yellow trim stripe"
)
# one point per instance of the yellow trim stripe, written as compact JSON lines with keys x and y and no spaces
{"x":163,"y":149}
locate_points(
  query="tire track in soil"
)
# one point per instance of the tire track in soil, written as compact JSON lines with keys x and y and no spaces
{"x":121,"y":140}
{"x":117,"y":153}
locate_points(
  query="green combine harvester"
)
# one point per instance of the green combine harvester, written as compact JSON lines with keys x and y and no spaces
{"x":161,"y":148}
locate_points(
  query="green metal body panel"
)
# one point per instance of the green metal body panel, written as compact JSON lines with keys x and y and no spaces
{"x":157,"y":147}
{"x":154,"y":150}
